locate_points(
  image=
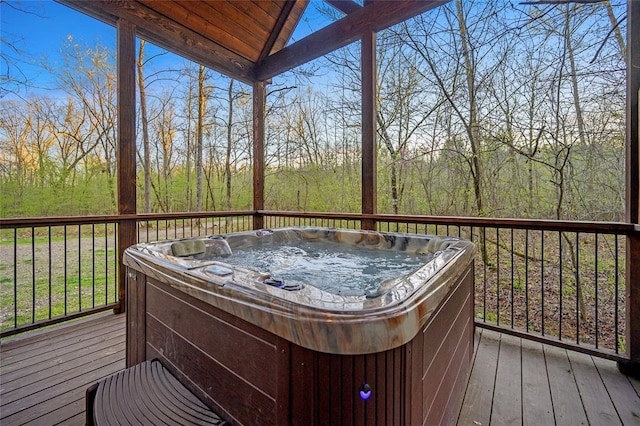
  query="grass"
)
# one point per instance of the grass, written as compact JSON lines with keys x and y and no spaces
{"x":89,"y":280}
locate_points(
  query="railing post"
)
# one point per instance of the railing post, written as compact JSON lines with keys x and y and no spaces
{"x":126,"y":148}
{"x":259,"y":99}
{"x":632,"y":300}
{"x":631,"y":367}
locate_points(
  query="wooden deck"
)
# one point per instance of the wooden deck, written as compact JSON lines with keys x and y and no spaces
{"x":516,"y":381}
{"x":44,"y":375}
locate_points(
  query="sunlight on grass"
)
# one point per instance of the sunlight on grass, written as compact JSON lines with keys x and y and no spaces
{"x":85,"y":281}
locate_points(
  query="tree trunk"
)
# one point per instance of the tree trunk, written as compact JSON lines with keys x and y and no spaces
{"x":472,"y":125}
{"x":583,"y":143}
{"x":145,"y":130}
{"x":200,"y":131}
{"x":227,"y":158}
{"x":189,"y":149}
{"x":617,"y":32}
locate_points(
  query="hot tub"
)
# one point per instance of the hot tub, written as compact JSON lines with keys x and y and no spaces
{"x":290,"y":339}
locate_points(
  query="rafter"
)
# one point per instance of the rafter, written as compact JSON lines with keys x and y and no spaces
{"x":273,"y":37}
{"x":344,"y":6}
{"x":373,"y":17}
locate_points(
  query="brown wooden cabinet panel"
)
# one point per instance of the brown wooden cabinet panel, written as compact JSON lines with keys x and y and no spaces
{"x":253,"y":377}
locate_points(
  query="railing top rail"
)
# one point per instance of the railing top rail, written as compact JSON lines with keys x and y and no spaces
{"x":189,"y":215}
{"x":55,"y":221}
{"x":531,"y":224}
{"x":82,"y":220}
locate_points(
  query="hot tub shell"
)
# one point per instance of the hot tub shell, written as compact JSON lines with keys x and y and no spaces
{"x":260,"y":355}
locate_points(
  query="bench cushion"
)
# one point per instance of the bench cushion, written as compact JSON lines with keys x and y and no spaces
{"x":146,"y":394}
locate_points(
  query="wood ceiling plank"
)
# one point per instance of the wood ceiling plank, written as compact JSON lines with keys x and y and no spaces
{"x":272,"y":8}
{"x":199,"y":18}
{"x":232,"y":17}
{"x":91,"y":10}
{"x":252,"y":11}
{"x":165,"y":33}
{"x":277,"y":30}
{"x":373,"y":17}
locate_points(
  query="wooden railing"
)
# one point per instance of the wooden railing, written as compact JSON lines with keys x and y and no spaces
{"x":560,"y":282}
{"x":155,"y":227}
{"x":56,"y":269}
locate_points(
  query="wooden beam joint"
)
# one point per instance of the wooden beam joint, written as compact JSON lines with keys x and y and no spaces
{"x":344,"y":6}
{"x":374,"y":16}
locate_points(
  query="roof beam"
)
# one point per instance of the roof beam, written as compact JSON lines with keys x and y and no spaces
{"x":165,"y":33}
{"x":344,"y":6}
{"x":273,"y":37}
{"x":372,"y":17}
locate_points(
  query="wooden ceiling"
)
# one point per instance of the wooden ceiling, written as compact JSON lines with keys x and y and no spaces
{"x":251,"y":29}
{"x":247,"y":39}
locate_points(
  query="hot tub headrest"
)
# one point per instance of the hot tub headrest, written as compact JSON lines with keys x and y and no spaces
{"x":438,"y":244}
{"x":188,"y":247}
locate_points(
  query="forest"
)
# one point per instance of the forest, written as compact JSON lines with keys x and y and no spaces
{"x":484,"y":108}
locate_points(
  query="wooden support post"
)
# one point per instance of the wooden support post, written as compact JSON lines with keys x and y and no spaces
{"x":631,"y":367}
{"x":126,"y":147}
{"x":369,"y":145}
{"x":259,"y":100}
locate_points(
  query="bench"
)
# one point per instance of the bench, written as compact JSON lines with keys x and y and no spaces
{"x":146,"y":394}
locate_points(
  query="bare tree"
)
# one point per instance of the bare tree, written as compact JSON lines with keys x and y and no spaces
{"x":144,"y":119}
{"x":404,"y":108}
{"x":88,"y":75}
{"x":460,"y":62}
{"x":202,"y":106}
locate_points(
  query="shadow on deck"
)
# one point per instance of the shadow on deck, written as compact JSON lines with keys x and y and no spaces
{"x":44,"y":376}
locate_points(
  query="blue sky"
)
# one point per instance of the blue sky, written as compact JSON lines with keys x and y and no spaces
{"x":42,"y":26}
{"x":34,"y":31}
{"x":38,"y":28}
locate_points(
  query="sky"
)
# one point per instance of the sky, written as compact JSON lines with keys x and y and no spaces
{"x":35,"y":30}
{"x":43,"y":25}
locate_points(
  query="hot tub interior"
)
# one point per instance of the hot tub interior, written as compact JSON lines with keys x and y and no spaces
{"x":341,"y":262}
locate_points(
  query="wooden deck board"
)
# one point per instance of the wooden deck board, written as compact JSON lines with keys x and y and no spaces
{"x":40,"y":403}
{"x":64,"y":336}
{"x":636,"y":385}
{"x":567,"y":404}
{"x":595,"y":399}
{"x":508,"y":383}
{"x":44,"y":376}
{"x":55,"y":365}
{"x":620,"y":388}
{"x":68,"y":414}
{"x":476,"y":409}
{"x":537,"y":408}
{"x":17,"y":360}
{"x":40,"y":384}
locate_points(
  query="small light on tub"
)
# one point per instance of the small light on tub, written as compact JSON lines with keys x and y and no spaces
{"x":365,"y":392}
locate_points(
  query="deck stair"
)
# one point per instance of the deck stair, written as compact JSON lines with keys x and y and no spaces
{"x":146,"y":393}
